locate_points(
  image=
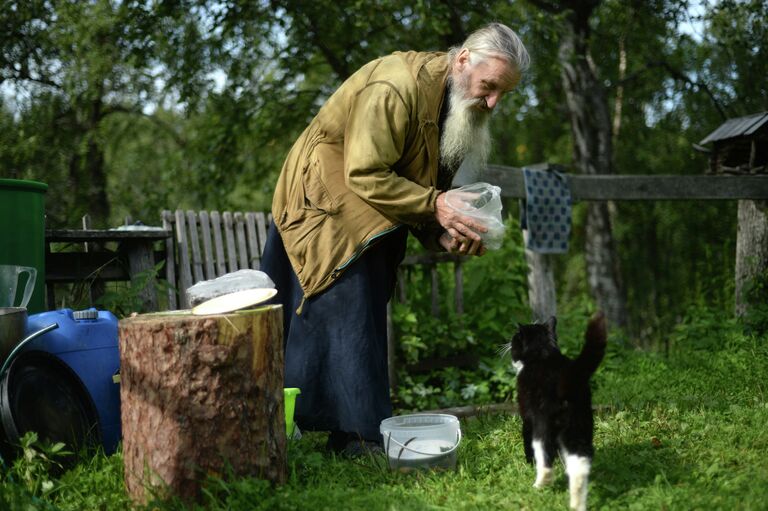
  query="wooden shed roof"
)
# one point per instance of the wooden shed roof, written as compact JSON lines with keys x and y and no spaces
{"x":737,"y":127}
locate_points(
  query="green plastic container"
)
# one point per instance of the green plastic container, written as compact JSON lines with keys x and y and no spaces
{"x":290,"y":406}
{"x":22,"y":231}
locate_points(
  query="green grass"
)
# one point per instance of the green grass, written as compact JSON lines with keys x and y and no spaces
{"x":687,"y":431}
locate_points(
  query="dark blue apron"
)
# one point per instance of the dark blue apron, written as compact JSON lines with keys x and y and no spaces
{"x":336,"y":349}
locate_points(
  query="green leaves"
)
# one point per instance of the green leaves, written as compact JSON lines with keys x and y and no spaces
{"x":495,"y":298}
{"x":37,"y":464}
{"x":128,"y":108}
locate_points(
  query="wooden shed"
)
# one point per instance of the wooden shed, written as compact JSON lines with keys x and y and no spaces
{"x":739,"y":146}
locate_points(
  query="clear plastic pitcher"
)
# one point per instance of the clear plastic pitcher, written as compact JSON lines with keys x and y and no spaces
{"x":10,"y":277}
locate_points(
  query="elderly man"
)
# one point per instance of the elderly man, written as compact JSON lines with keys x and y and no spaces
{"x":373,"y":164}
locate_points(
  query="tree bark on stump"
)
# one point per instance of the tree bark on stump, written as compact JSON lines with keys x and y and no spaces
{"x":201,"y":395}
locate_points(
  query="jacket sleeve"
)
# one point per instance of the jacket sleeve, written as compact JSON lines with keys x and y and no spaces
{"x":375,"y":138}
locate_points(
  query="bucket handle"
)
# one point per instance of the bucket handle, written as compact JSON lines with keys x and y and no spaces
{"x":17,"y":349}
{"x":30,"y":285}
{"x":405,"y":445}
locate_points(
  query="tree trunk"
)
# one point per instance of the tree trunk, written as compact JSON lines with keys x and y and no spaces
{"x":591,"y":129}
{"x":618,"y":103}
{"x":602,"y":271}
{"x":201,"y":395}
{"x":751,"y":253}
{"x":86,"y":169}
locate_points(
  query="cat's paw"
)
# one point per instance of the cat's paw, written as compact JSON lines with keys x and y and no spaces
{"x":578,"y":504}
{"x":544,"y":477}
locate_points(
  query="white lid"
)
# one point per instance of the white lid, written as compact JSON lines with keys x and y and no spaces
{"x":234,"y":301}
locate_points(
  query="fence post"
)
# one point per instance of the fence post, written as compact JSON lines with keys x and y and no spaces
{"x":751,"y":251}
{"x":541,"y":284}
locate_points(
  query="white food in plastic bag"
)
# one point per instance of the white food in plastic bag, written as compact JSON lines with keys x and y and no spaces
{"x":481,"y":201}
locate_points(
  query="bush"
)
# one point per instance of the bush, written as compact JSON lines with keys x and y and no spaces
{"x":462,"y":350}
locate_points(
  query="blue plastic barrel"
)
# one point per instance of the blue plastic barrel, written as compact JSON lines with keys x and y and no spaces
{"x":86,"y":341}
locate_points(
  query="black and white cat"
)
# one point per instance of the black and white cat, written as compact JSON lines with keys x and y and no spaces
{"x":555,"y":401}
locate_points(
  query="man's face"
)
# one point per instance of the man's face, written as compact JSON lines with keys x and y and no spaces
{"x":475,"y":91}
{"x":486,"y":81}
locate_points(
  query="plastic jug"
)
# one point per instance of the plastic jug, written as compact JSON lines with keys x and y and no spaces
{"x":10,"y":276}
{"x":87,"y":342}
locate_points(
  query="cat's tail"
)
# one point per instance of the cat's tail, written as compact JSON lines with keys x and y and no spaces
{"x":594,"y":345}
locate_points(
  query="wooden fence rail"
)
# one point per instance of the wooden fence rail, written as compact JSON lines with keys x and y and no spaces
{"x":639,"y":187}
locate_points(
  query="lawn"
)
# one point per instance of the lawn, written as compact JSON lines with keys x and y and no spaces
{"x":685,"y":430}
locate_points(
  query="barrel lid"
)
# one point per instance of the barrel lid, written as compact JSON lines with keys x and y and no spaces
{"x":22,"y":184}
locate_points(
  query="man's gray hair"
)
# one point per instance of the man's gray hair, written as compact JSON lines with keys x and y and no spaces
{"x":495,"y":39}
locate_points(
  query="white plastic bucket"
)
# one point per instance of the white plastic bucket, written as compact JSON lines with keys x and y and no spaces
{"x":425,"y":440}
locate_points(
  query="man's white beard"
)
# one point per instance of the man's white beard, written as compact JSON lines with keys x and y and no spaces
{"x":466,"y":132}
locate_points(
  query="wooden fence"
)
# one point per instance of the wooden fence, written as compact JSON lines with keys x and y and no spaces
{"x":541,"y":284}
{"x":187,"y":263}
{"x":541,"y":290}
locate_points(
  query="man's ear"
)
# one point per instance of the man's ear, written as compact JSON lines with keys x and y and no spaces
{"x":462,"y":59}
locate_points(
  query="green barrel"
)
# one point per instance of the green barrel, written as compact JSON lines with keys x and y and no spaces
{"x":22,"y":231}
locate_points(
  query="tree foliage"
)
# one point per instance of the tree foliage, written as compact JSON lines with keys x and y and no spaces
{"x":126,"y":108}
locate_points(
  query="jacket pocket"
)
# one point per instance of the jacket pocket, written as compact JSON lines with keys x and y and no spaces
{"x":317,"y":195}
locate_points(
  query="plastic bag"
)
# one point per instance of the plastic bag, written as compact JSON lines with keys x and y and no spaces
{"x":239,"y":280}
{"x":481,"y":201}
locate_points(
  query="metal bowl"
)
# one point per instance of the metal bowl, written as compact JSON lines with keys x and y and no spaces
{"x":13,"y":324}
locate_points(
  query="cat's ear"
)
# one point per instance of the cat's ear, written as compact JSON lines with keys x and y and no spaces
{"x":551,"y":326}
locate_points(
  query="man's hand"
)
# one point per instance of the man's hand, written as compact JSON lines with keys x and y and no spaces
{"x":454,"y":246}
{"x":462,"y":228}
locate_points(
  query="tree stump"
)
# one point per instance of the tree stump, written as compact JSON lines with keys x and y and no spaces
{"x":201,"y":395}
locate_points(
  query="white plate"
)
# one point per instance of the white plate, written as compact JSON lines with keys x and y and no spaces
{"x":234,"y":301}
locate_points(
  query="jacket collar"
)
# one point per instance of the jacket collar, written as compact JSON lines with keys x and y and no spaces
{"x":430,"y":70}
{"x":432,"y":79}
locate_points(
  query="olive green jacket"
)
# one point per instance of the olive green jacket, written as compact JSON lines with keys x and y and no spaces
{"x":367,"y":163}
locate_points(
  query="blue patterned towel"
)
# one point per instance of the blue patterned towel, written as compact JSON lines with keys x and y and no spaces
{"x":546,"y":212}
